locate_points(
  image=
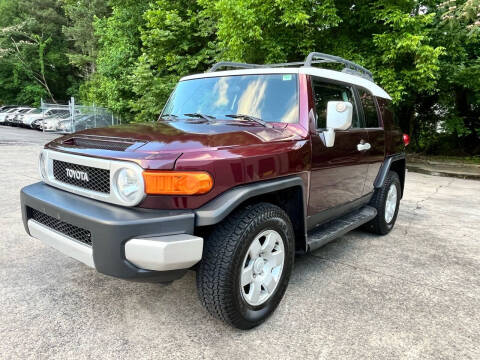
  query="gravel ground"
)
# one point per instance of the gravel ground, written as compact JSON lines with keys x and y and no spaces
{"x":414,"y":293}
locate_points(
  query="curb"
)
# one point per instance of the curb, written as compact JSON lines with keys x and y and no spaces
{"x":422,"y":170}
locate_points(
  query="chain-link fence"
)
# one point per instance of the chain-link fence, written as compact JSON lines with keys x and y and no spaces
{"x":72,"y":117}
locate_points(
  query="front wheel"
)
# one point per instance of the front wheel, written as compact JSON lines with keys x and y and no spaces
{"x":246,"y":265}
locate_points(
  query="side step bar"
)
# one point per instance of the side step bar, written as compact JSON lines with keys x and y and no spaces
{"x":336,"y":228}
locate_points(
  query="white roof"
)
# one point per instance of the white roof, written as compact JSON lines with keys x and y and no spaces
{"x":323,"y":73}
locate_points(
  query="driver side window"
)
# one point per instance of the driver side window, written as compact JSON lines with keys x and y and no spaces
{"x":323,"y":93}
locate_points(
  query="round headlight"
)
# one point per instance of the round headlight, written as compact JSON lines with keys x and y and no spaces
{"x":42,"y":166}
{"x":128,"y":184}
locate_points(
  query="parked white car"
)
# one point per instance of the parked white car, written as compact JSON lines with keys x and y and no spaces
{"x":38,"y":114}
{"x":16,"y":117}
{"x":4,"y":114}
{"x":4,"y":108}
{"x":19,"y":110}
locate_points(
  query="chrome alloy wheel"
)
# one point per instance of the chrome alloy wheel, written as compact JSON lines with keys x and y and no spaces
{"x":262,"y":267}
{"x":391,"y":203}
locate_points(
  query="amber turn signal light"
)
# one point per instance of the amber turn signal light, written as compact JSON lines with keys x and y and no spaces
{"x":177,"y":182}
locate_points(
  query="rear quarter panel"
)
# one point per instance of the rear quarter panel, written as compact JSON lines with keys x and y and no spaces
{"x":393,"y":133}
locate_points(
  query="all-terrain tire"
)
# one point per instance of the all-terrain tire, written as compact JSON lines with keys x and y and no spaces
{"x":226,"y":247}
{"x":379,"y":225}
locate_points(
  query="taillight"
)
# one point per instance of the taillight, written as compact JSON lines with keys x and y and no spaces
{"x":177,"y":182}
{"x":406,"y":139}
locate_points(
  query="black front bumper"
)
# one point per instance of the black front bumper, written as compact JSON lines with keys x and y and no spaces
{"x":110,"y":227}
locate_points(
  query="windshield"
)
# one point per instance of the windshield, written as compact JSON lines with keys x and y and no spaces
{"x":272,"y":98}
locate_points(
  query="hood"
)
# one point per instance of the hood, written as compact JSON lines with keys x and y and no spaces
{"x":159,"y":145}
{"x":187,"y":136}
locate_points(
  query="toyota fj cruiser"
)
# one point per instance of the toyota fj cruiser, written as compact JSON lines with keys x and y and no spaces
{"x":243,"y":169}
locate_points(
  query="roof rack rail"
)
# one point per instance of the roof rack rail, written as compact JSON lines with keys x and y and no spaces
{"x":350,"y":67}
{"x":257,"y":66}
{"x":234,"y":65}
{"x":312,"y":58}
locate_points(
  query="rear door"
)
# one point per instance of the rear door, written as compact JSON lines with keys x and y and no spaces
{"x":339,"y":172}
{"x":376,"y":137}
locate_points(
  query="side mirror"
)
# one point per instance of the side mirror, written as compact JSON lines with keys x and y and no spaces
{"x":339,"y":117}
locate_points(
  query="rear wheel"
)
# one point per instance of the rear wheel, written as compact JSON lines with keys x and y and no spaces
{"x":386,"y":200}
{"x":246,"y":265}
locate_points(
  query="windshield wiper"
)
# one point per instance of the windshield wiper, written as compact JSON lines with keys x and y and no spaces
{"x":250,"y":118}
{"x":167,"y":116}
{"x":200,"y":115}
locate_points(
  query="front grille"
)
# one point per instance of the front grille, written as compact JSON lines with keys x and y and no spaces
{"x":67,"y":229}
{"x":98,"y":144}
{"x":98,"y":179}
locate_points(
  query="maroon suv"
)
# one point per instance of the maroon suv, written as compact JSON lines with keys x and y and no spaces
{"x":243,"y":169}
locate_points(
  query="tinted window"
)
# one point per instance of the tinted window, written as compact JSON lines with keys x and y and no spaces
{"x":272,"y":98}
{"x":369,"y":108}
{"x":325,"y":92}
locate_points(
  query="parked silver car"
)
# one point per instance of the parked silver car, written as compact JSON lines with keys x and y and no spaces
{"x":82,"y":122}
{"x":40,"y":114}
{"x":50,"y":123}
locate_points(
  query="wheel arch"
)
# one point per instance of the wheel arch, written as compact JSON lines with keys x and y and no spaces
{"x":287,"y":193}
{"x":395,"y":163}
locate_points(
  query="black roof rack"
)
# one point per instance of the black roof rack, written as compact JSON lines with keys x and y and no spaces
{"x":312,"y":58}
{"x":234,"y":65}
{"x":350,"y":66}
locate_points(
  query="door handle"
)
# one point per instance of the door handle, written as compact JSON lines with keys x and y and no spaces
{"x":363,"y":146}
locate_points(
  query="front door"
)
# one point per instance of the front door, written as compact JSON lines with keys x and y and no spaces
{"x":339,"y":172}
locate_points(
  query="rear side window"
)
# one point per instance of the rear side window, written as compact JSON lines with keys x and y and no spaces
{"x":325,"y":92}
{"x":369,"y":108}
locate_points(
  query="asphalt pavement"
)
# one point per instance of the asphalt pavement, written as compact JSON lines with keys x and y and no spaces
{"x":414,"y":293}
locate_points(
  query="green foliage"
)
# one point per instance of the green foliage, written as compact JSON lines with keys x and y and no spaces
{"x":32,"y":51}
{"x":120,"y":47}
{"x":178,"y":38}
{"x":457,"y":29}
{"x":128,"y":54}
{"x":407,"y":63}
{"x":270,"y":30}
{"x":80,"y":32}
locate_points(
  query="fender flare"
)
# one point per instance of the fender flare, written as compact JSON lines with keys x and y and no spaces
{"x":220,"y":207}
{"x":385,"y":168}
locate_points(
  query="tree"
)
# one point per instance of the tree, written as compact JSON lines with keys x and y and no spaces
{"x":33,"y":49}
{"x":120,"y":47}
{"x":264,"y":31}
{"x":129,"y":54}
{"x":178,"y":38}
{"x":458,"y":28}
{"x":392,"y":38}
{"x":80,"y":32}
